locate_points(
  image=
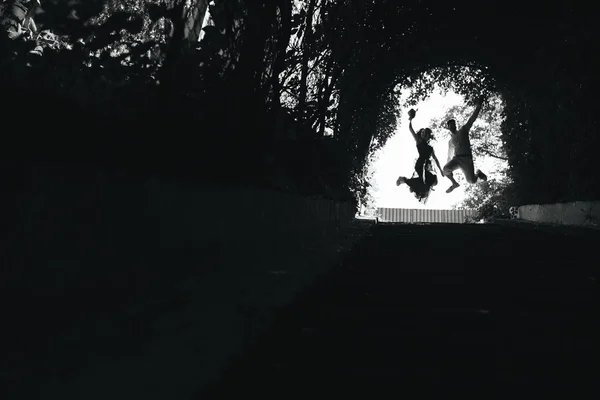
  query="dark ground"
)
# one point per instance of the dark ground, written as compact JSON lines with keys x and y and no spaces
{"x":491,"y":310}
{"x":494,"y":310}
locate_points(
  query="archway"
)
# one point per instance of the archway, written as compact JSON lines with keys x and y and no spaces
{"x":525,"y":69}
{"x":438,"y":95}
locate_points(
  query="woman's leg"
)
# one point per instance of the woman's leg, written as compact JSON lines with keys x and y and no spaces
{"x":430,"y":179}
{"x":419,"y":166}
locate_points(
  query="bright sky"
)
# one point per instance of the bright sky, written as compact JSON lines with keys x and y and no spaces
{"x":398,"y":156}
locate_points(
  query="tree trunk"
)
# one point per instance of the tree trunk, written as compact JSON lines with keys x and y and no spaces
{"x":283,"y":40}
{"x":193,"y":19}
{"x":306,"y":46}
{"x":244,"y":83}
{"x":324,"y":101}
{"x":347,"y":107}
{"x":187,"y":25}
{"x":489,"y":153}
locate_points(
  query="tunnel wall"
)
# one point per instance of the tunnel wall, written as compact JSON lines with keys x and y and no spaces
{"x":227,"y":256}
{"x":578,"y":213}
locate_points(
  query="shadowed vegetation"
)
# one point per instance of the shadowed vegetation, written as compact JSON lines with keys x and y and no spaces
{"x":292,"y":93}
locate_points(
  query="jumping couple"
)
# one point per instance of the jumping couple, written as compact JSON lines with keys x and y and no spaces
{"x":459,"y":157}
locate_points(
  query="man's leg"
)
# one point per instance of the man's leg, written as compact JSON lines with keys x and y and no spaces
{"x":448,"y":169}
{"x":481,"y":175}
{"x":469,"y":169}
{"x":466,"y":164}
{"x":400,"y":181}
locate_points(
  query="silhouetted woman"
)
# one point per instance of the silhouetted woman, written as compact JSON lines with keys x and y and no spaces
{"x":423,"y":179}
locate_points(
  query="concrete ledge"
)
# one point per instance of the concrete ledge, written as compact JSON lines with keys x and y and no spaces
{"x":578,"y":213}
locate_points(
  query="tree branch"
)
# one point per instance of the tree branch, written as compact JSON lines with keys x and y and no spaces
{"x":489,"y":153}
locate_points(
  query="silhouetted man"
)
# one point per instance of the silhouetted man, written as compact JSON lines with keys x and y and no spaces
{"x":459,"y":151}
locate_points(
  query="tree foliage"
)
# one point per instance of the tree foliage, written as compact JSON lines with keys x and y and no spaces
{"x":301,"y":70}
{"x":491,"y":199}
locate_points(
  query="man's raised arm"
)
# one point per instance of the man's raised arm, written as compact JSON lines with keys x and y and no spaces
{"x":475,"y":113}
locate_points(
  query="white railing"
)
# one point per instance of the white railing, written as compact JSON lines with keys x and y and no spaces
{"x":412,"y":215}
